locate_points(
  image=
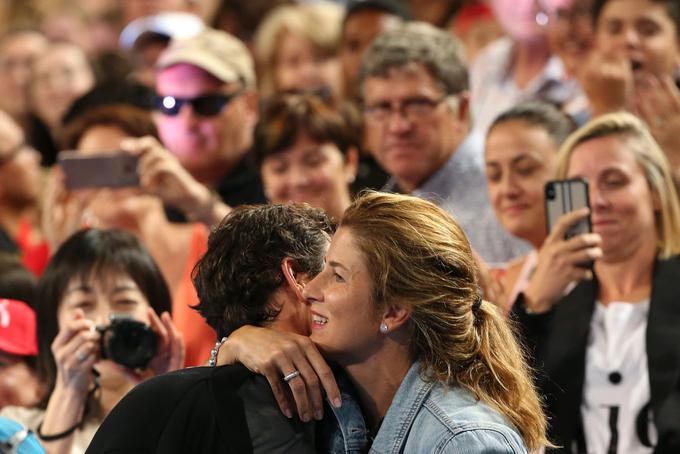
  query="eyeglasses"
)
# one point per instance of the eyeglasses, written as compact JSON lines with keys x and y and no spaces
{"x":412,"y":109}
{"x":206,"y":105}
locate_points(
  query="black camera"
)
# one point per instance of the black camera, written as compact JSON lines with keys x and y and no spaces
{"x":128,"y":342}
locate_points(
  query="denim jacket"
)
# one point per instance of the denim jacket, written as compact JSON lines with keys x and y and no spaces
{"x":343,"y":430}
{"x":434,"y":418}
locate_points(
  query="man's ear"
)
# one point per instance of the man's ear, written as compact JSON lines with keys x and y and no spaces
{"x":463,"y":112}
{"x":394,"y":317}
{"x":292,"y":276}
{"x":351,"y":164}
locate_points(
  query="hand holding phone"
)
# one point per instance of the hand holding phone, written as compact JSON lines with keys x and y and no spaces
{"x":567,"y":254}
{"x":115,"y":169}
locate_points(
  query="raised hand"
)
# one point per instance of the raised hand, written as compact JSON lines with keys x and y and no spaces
{"x":561,"y":262}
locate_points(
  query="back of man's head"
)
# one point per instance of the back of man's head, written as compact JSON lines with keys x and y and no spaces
{"x":241,"y":269}
{"x":418,"y":42}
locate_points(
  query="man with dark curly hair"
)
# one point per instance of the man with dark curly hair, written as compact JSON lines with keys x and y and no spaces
{"x":257,"y":260}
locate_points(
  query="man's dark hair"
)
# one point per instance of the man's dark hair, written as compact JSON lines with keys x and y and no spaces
{"x":417,"y":42}
{"x":672,"y":8}
{"x":241,"y":269}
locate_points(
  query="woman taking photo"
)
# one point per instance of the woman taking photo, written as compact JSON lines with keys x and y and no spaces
{"x":96,"y":274}
{"x":521,"y":157}
{"x":610,"y":349}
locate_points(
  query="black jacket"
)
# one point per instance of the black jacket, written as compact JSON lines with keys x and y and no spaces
{"x":225,"y":409}
{"x":558,"y":341}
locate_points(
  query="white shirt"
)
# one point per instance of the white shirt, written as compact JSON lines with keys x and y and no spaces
{"x":616,"y":386}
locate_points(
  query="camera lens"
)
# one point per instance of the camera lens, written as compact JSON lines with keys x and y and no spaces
{"x":129,"y":343}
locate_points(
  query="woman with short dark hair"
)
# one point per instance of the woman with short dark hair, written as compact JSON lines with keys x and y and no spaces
{"x":96,"y":277}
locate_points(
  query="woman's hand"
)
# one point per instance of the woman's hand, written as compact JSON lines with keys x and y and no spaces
{"x":657,"y":102}
{"x":170,"y":354}
{"x":561,"y":262}
{"x":161,"y":174}
{"x":76,"y":350}
{"x":276,"y":354}
{"x":607,"y":81}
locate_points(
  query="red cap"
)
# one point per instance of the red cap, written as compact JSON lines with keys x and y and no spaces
{"x":17,"y":328}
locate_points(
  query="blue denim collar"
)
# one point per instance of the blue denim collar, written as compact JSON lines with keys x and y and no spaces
{"x":402,"y":412}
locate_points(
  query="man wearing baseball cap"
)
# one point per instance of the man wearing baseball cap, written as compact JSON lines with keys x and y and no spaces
{"x":206,"y":110}
{"x":18,"y":349}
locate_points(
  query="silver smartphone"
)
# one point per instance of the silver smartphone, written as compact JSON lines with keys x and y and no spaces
{"x":564,"y":196}
{"x":115,"y":169}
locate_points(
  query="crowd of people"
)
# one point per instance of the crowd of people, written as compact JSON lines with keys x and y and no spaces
{"x":322,"y":226}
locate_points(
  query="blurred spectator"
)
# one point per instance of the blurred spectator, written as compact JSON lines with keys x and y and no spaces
{"x":521,"y":157}
{"x":414,"y":83}
{"x":635,"y":65}
{"x":19,"y":385}
{"x":60,"y":75}
{"x":241,"y":19}
{"x":608,"y":353}
{"x":175,"y":247}
{"x":206,"y":110}
{"x":476,"y":26}
{"x":16,"y":281}
{"x":570,"y":33}
{"x":296,"y":49}
{"x":435,"y":12}
{"x":94,"y":275}
{"x":134,"y":9}
{"x":147,"y":37}
{"x":363,"y":22}
{"x":18,"y":49}
{"x":20,"y":190}
{"x":518,"y":67}
{"x":307,"y":151}
{"x":18,"y":342}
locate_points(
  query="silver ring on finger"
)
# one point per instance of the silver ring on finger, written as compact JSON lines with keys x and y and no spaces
{"x":292,"y":375}
{"x":81,"y":356}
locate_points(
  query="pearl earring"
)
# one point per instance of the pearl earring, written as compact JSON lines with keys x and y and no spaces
{"x":384,"y":328}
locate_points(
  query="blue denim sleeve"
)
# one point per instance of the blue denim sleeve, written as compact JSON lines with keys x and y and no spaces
{"x":482,"y":441}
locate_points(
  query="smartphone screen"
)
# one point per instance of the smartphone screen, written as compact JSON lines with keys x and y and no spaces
{"x":564,"y":196}
{"x":115,"y":169}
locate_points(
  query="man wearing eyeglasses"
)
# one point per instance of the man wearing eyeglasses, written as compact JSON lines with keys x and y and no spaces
{"x":415,"y":100}
{"x":206,"y":109}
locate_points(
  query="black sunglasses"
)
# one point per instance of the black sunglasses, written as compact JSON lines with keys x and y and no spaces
{"x":206,"y":105}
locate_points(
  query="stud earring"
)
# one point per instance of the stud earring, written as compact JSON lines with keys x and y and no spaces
{"x":383,"y":328}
